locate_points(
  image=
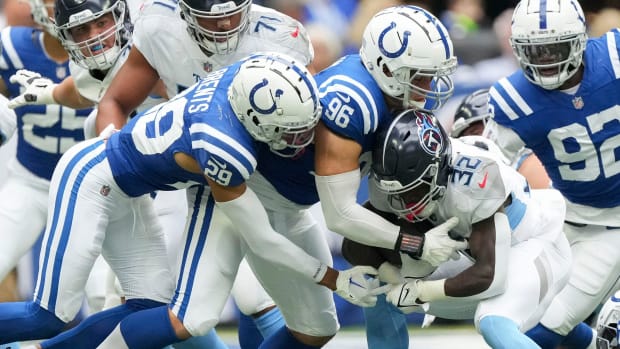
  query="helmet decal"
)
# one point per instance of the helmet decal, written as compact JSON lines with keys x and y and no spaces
{"x":405,"y":42}
{"x":430,"y":136}
{"x":253,"y":91}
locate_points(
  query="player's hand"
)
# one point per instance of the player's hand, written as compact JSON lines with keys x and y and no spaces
{"x":404,"y":296}
{"x":38,"y":89}
{"x":439,"y":246}
{"x":390,"y":274}
{"x":357,"y":286}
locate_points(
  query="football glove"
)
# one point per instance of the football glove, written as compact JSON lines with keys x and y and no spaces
{"x":439,"y":246}
{"x":38,"y":89}
{"x":354,"y":286}
{"x":390,"y":274}
{"x":404,"y":296}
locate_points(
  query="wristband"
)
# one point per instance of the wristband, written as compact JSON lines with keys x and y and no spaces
{"x":431,"y":290}
{"x":320,"y":272}
{"x":410,"y":243}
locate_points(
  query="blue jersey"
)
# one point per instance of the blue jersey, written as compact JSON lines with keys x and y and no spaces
{"x":353,"y":107}
{"x":575,"y":136}
{"x":198,"y":122}
{"x":44,"y":132}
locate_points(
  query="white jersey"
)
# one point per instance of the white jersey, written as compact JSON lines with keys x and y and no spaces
{"x":481,"y":184}
{"x":90,"y":87}
{"x":161,"y":36}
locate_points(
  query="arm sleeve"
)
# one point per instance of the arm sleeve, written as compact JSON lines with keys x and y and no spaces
{"x":8,"y":120}
{"x":253,"y":225}
{"x":343,"y":215}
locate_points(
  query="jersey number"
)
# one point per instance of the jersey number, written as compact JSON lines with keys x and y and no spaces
{"x":339,"y":112}
{"x":47,"y":143}
{"x":587,"y":160}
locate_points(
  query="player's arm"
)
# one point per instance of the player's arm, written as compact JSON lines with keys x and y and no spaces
{"x":241,"y":205}
{"x":490,"y":247}
{"x":129,"y":88}
{"x":338,"y":180}
{"x":39,"y":90}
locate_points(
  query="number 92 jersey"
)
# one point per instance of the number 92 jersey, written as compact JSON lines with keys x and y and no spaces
{"x":198,"y":122}
{"x":576,"y":136}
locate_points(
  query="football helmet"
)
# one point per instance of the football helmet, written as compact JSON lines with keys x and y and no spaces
{"x":403,"y":47}
{"x":607,"y":336}
{"x":474,"y":108}
{"x":211,"y":40}
{"x":411,"y":164}
{"x":276,"y":99}
{"x":548,"y":38}
{"x":41,"y":16}
{"x":94,"y":53}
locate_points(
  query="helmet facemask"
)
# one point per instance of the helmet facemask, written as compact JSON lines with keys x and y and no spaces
{"x":550,"y":62}
{"x":96,"y":53}
{"x":41,"y":15}
{"x":435,"y":86}
{"x":211,"y":40}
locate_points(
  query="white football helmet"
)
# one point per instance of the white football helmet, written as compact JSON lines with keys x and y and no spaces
{"x":212,"y":41}
{"x":607,"y":324}
{"x":41,"y":16}
{"x":93,"y":53}
{"x":404,"y":44}
{"x":548,"y":38}
{"x":276,"y":99}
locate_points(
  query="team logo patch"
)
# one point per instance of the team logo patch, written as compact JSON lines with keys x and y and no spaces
{"x":430,"y":136}
{"x":105,"y":190}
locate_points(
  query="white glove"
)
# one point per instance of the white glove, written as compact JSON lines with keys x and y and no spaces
{"x":390,"y":274}
{"x":404,"y":296}
{"x":38,"y":89}
{"x":353,"y":285}
{"x":439,"y":246}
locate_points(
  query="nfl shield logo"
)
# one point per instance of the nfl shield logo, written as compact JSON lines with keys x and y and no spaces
{"x":105,"y":190}
{"x":207,"y":67}
{"x":578,"y":102}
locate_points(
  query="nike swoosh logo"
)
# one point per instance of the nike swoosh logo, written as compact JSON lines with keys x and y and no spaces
{"x":484,"y":181}
{"x":354,"y":283}
{"x":343,"y":97}
{"x":295,"y":33}
{"x":404,"y":296}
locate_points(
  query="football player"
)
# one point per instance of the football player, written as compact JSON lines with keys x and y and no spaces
{"x":514,"y":234}
{"x":562,"y":105}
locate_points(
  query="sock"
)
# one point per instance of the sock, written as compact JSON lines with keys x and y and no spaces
{"x":386,"y":326}
{"x":284,"y":339}
{"x":147,"y":329}
{"x":579,"y":337}
{"x":544,"y":337}
{"x":23,"y":321}
{"x":95,"y":328}
{"x":248,"y":334}
{"x":502,"y":333}
{"x":210,"y":341}
{"x":270,"y":322}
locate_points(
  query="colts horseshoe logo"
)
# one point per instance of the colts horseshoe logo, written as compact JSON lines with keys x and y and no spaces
{"x":255,"y":89}
{"x":398,"y":52}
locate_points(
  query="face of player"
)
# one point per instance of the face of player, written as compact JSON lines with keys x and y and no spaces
{"x":218,"y":25}
{"x":548,"y":55}
{"x":100,"y":33}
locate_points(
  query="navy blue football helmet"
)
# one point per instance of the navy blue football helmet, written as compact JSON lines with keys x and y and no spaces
{"x":474,"y":108}
{"x":211,"y":40}
{"x":411,"y":164}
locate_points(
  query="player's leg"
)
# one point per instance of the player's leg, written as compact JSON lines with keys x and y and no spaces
{"x":307,"y":307}
{"x":595,"y":269}
{"x":257,"y":306}
{"x":210,"y":259}
{"x":75,"y":228}
{"x":23,"y":211}
{"x":536,"y":267}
